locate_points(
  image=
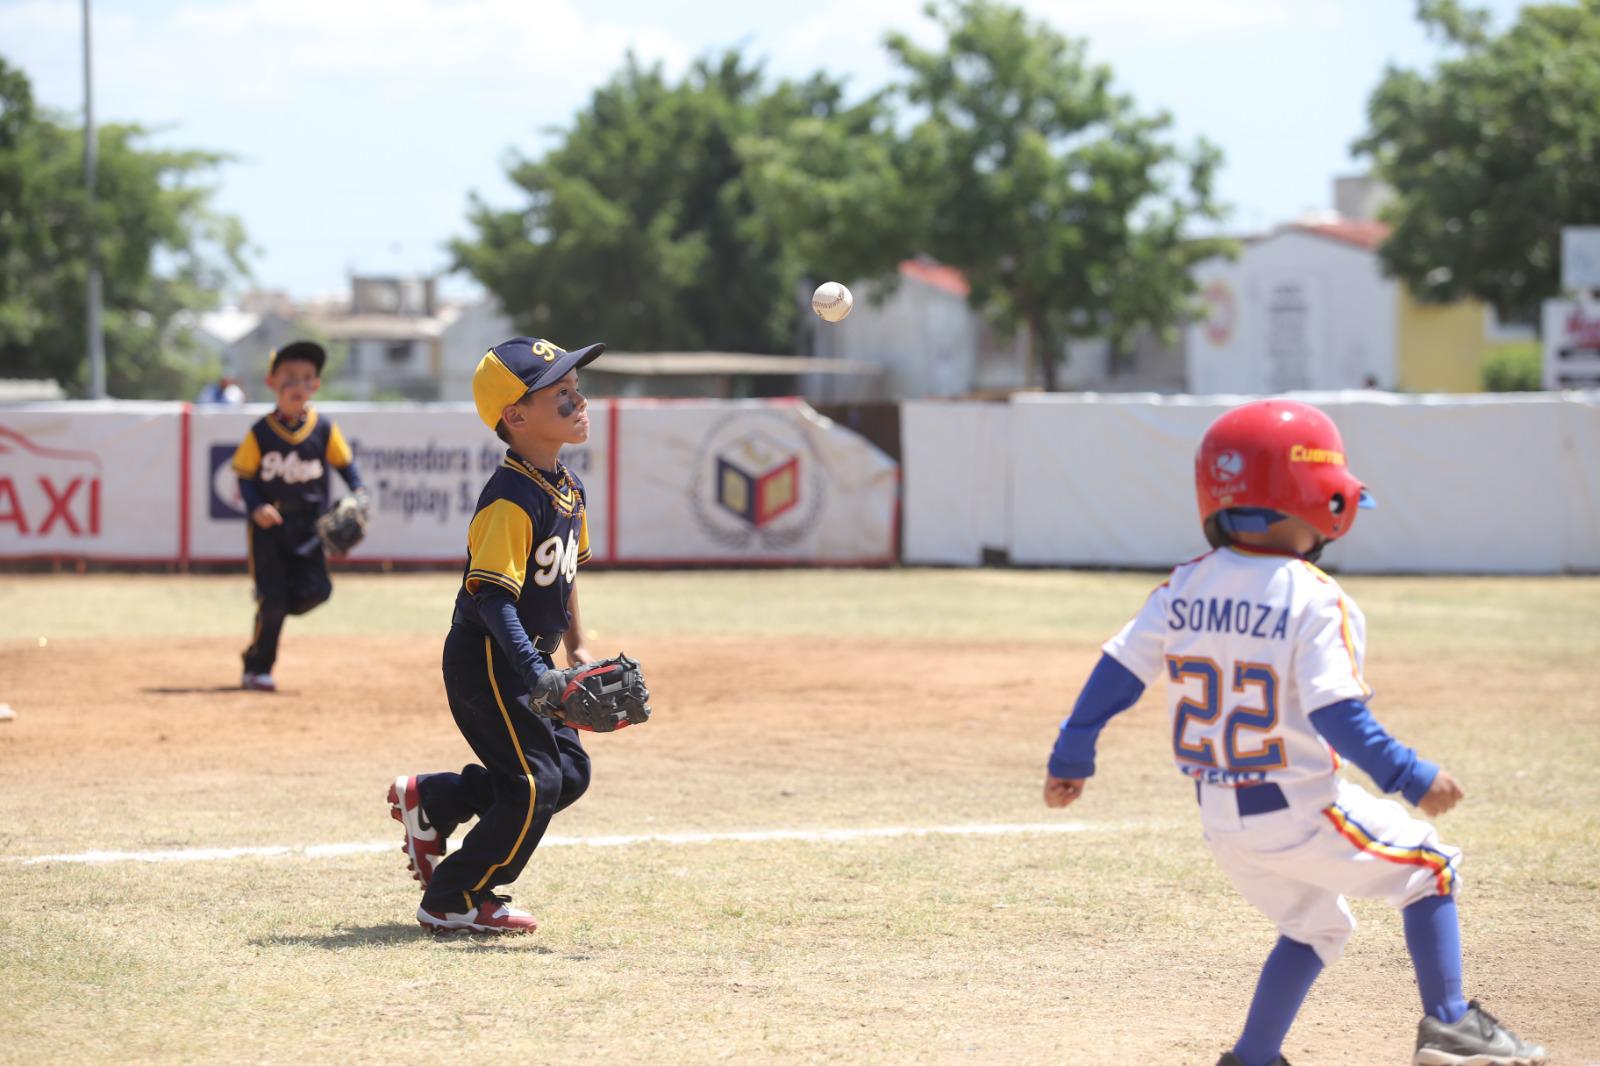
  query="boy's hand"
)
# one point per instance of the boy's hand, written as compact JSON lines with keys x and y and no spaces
{"x":1443,"y":794}
{"x":1062,"y":792}
{"x":266,"y":516}
{"x":577,"y":655}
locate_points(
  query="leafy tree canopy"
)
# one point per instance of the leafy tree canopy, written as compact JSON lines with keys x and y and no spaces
{"x":164,"y":251}
{"x":1491,"y":153}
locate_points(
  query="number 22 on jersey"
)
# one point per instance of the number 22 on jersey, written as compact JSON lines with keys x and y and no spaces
{"x":1199,"y":725}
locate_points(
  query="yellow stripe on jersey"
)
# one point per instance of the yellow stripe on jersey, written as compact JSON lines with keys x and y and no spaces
{"x":339,"y":453}
{"x":499,"y":542}
{"x":1429,"y":858}
{"x":583,"y":537}
{"x":1344,"y":628}
{"x":247,"y":459}
{"x":298,"y":435}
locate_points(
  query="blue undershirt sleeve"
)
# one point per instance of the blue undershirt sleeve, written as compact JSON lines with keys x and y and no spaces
{"x":250,"y":492}
{"x":499,"y":613}
{"x":1356,"y":735}
{"x":351,"y":475}
{"x":1110,"y":690}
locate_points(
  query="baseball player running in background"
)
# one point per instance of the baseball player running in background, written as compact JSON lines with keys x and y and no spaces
{"x":516,"y":605}
{"x":1263,"y":657}
{"x":283,"y":467}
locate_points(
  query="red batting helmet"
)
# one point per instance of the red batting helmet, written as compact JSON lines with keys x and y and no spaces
{"x":1281,"y":456}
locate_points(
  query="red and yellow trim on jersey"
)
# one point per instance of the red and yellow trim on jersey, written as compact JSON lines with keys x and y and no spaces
{"x":516,"y":745}
{"x":1438,"y":862}
{"x":1345,"y":629}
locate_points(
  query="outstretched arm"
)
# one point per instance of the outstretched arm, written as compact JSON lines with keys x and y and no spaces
{"x":1349,"y":727}
{"x":1111,"y":689}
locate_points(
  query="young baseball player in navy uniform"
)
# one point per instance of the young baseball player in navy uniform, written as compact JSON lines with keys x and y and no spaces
{"x":284,"y":465}
{"x":516,"y":606}
{"x":1263,"y":657}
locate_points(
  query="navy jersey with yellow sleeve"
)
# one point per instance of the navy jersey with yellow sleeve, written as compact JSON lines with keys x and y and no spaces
{"x":290,"y":466}
{"x":528,"y":535}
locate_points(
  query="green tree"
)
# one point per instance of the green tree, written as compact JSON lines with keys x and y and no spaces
{"x":1066,"y":206}
{"x":1491,"y":153}
{"x":684,"y":215}
{"x":1514,"y":367}
{"x":163,"y":251}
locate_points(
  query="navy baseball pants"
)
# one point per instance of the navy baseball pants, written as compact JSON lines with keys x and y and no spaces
{"x":291,"y":577}
{"x":531,"y":768}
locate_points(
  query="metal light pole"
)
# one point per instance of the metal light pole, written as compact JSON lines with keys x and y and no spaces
{"x":97,"y":340}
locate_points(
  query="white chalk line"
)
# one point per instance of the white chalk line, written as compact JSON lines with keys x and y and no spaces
{"x":755,"y":836}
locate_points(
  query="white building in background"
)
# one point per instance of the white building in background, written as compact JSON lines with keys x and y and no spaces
{"x":922,"y":334}
{"x":472,"y":330}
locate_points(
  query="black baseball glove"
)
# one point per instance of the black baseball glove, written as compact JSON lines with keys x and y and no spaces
{"x":600,"y":697}
{"x":343,"y":526}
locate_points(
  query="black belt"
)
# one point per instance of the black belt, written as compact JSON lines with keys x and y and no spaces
{"x":1254,"y":799}
{"x":548,"y":643}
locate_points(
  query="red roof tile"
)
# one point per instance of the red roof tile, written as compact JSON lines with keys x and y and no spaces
{"x":1360,"y":232}
{"x":936,"y":274}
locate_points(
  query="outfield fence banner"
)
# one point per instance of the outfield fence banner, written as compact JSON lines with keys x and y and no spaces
{"x":90,"y":480}
{"x":1465,"y":484}
{"x":753,"y":481}
{"x":702,"y":482}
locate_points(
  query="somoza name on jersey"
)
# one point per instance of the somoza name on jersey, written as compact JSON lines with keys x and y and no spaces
{"x":289,"y":468}
{"x":1211,"y":615}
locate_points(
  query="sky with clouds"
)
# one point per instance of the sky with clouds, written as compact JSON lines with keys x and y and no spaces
{"x":360,"y":127}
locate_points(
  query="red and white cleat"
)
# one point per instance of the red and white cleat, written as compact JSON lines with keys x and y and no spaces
{"x":424,"y":846}
{"x":493,"y":914}
{"x":258,"y":683}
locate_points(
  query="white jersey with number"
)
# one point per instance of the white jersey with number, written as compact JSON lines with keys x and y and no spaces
{"x":1251,"y":644}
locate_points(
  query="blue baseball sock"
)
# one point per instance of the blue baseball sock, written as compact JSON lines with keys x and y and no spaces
{"x":1433,"y":936}
{"x":1289,"y":973}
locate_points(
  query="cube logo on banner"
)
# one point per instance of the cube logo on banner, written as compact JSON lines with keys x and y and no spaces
{"x":47,"y":491}
{"x":225,"y":499}
{"x":758,"y":479}
{"x":758,"y":484}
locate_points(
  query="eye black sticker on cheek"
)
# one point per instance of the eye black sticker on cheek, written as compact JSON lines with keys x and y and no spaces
{"x":566,"y":407}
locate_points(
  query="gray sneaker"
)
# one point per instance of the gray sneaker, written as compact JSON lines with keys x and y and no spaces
{"x":1478,"y":1039}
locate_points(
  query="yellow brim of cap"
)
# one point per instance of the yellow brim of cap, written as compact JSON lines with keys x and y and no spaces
{"x":494,"y":388}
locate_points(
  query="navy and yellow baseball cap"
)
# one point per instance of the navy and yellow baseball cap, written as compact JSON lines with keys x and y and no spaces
{"x":308,"y":351}
{"x":512,"y":369}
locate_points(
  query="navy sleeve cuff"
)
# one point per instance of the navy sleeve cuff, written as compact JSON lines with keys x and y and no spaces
{"x":1110,"y":690}
{"x":250,"y":492}
{"x":351,"y":475}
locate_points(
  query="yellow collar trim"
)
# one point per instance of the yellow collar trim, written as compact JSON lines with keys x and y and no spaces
{"x":296,"y":436}
{"x":562,"y":492}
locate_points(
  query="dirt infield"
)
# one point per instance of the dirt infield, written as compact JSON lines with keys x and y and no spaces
{"x":1122,"y":943}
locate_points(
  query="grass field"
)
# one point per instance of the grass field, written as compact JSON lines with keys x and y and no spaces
{"x":792,"y":700}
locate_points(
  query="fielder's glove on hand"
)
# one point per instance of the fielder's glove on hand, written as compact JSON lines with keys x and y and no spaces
{"x":600,"y":696}
{"x":343,"y":527}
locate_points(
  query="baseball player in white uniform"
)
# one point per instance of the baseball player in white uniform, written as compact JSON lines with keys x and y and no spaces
{"x":1263,"y":657}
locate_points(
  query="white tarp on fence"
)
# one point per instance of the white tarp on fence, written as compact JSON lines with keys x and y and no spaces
{"x":1501,"y":484}
{"x":696,"y":482}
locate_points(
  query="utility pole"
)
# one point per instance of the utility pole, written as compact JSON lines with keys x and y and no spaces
{"x":97,"y":340}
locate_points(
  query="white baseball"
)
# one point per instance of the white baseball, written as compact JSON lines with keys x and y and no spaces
{"x":831,"y":301}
